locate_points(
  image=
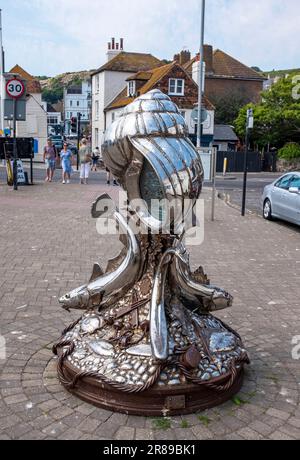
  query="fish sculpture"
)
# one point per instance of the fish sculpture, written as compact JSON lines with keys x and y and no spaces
{"x":105,"y":289}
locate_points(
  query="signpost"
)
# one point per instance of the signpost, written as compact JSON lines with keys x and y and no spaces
{"x":15,"y":89}
{"x":79,"y":115}
{"x":249,"y":125}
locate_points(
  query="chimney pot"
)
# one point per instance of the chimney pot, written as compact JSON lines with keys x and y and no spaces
{"x":113,"y":42}
{"x":122,"y":44}
{"x":109,"y":46}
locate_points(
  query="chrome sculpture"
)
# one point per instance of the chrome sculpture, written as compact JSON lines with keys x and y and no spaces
{"x":147,"y":324}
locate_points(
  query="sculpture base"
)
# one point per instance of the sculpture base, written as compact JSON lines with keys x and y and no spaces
{"x":156,"y":402}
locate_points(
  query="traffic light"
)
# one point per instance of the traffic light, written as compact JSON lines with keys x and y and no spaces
{"x":74,"y":125}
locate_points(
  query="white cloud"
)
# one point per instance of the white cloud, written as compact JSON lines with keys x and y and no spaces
{"x":67,"y":35}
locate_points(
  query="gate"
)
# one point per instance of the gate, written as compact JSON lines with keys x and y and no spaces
{"x":236,"y":162}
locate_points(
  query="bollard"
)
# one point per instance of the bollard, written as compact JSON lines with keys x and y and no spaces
{"x":225,"y":166}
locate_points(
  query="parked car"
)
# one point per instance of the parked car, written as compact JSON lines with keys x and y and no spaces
{"x":281,"y":199}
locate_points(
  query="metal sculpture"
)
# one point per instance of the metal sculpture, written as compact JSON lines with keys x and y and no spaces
{"x":147,"y":342}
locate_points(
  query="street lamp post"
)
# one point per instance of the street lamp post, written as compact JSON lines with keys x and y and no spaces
{"x":249,"y":125}
{"x":201,"y":76}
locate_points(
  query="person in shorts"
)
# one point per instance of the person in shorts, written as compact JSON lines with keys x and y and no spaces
{"x":49,"y":157}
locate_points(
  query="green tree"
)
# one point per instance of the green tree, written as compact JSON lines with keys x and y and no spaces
{"x":228,"y":107}
{"x":276,"y":118}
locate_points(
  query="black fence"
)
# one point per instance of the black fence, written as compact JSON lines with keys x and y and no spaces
{"x":235,"y":162}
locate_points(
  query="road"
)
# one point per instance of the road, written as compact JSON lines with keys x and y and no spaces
{"x":233,"y":185}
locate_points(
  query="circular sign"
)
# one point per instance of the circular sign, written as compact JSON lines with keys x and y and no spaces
{"x":15,"y":88}
{"x":195,"y":113}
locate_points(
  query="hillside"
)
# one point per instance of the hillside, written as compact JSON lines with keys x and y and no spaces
{"x":281,"y":73}
{"x":53,"y":87}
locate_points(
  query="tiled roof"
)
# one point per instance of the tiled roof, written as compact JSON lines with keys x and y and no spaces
{"x":20,"y":71}
{"x":225,"y":66}
{"x":130,"y":62}
{"x":33,"y":85}
{"x":151,"y":79}
{"x":225,"y":133}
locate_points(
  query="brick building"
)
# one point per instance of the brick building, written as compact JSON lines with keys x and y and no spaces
{"x":171,"y":79}
{"x":224,"y":75}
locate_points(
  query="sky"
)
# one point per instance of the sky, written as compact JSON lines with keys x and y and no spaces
{"x":49,"y":37}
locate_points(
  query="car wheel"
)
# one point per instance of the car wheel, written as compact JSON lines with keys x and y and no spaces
{"x":268,"y":210}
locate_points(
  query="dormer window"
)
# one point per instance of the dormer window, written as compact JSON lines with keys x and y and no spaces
{"x":176,"y":87}
{"x":131,"y":88}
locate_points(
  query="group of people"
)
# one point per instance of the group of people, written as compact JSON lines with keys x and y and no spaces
{"x":87,"y":160}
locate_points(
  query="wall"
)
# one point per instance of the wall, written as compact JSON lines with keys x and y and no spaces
{"x":36,"y":122}
{"x":222,"y":87}
{"x":110,"y":85}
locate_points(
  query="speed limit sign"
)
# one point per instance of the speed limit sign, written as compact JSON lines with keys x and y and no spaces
{"x":15,"y":88}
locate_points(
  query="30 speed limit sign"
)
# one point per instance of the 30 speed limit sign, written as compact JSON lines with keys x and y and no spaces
{"x":15,"y":88}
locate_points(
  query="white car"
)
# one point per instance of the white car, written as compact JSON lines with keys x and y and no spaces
{"x":281,"y":199}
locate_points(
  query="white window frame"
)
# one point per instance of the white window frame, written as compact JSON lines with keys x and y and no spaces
{"x":176,"y":92}
{"x":97,"y":84}
{"x":131,"y":88}
{"x":97,"y":110}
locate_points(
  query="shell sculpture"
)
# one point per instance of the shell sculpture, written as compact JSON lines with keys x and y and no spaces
{"x":147,"y":342}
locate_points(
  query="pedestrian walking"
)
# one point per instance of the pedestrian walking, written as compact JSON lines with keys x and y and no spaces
{"x":66,"y":162}
{"x":95,"y":158}
{"x":108,"y":177}
{"x":85,"y":159}
{"x":49,"y":157}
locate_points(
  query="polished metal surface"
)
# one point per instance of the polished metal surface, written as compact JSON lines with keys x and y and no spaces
{"x":108,"y":288}
{"x":148,"y":316}
{"x":152,"y":135}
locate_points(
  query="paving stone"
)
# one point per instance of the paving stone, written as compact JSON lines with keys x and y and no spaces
{"x":237,"y":252}
{"x":141,"y":434}
{"x":125,"y":433}
{"x":89,"y":425}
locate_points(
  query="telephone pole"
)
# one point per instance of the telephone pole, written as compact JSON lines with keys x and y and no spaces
{"x":201,"y":76}
{"x":1,"y":78}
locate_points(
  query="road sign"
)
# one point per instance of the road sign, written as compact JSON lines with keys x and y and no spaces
{"x":9,"y":110}
{"x":15,"y":88}
{"x":204,"y":115}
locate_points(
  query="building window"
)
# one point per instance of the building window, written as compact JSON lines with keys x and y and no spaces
{"x":131,"y":88}
{"x":97,"y":110}
{"x":78,"y":103}
{"x":71,"y":103}
{"x":96,"y":137}
{"x":97,"y":84}
{"x":176,"y":87}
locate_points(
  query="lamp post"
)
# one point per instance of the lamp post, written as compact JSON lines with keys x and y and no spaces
{"x":201,"y":76}
{"x":249,"y":125}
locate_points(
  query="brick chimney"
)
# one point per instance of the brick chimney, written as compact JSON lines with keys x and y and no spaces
{"x":183,"y":57}
{"x":114,"y":48}
{"x":208,"y":59}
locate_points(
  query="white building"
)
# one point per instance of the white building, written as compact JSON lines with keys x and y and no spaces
{"x":78,"y":99}
{"x":110,"y":79}
{"x":36,"y":117}
{"x":54,"y":119}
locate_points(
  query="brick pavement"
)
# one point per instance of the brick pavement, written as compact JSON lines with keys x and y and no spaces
{"x":48,"y":243}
